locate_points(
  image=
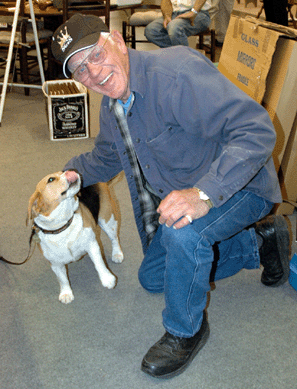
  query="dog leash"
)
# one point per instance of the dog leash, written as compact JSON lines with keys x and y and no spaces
{"x":34,"y":238}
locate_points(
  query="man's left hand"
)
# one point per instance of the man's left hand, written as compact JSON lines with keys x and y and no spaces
{"x":180,"y":207}
{"x":188,"y":15}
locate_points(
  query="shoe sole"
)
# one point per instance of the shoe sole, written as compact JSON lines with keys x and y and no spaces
{"x":283,"y":245}
{"x":199,"y":346}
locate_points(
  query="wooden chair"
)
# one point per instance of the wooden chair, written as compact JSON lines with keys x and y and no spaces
{"x":93,"y":7}
{"x":140,"y":17}
{"x":209,"y":48}
{"x":24,"y":58}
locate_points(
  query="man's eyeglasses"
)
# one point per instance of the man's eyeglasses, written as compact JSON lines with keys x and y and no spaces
{"x":96,"y":57}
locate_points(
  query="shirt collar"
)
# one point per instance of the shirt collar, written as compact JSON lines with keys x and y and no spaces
{"x":136,"y":59}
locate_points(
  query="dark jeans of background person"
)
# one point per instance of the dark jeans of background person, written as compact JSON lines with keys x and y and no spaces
{"x":276,"y":11}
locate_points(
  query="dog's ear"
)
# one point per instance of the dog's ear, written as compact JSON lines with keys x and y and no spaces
{"x":32,"y":207}
{"x":36,"y":206}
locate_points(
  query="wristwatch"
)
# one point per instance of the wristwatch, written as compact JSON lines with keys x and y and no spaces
{"x":205,"y":198}
{"x":193,"y":10}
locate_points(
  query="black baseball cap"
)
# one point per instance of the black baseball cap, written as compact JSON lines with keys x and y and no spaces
{"x":77,"y":33}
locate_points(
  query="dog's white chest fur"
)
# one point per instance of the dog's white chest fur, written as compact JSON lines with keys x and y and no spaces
{"x":69,"y":245}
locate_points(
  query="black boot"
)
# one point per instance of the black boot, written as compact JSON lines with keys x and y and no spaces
{"x":274,"y":252}
{"x":171,"y":355}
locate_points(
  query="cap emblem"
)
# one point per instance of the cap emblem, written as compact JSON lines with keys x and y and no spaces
{"x":64,"y":39}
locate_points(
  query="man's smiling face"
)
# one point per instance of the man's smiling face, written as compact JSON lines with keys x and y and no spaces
{"x":111,"y":77}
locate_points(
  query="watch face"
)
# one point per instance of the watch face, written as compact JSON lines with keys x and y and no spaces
{"x":203,"y":196}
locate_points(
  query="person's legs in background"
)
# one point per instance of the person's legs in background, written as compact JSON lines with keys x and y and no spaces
{"x":180,"y":29}
{"x":157,"y":34}
{"x":177,"y":31}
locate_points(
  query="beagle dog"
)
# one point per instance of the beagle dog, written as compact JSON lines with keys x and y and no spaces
{"x":66,"y":228}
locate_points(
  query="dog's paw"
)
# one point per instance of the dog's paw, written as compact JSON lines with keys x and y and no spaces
{"x":109,"y":281}
{"x":66,"y":297}
{"x":117,"y":256}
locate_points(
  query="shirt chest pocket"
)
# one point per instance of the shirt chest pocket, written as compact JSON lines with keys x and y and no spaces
{"x":173,"y":148}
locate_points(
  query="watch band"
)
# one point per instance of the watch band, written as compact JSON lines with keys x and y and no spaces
{"x":193,"y":10}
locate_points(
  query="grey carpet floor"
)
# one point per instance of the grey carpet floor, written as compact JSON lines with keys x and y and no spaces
{"x":98,"y":340}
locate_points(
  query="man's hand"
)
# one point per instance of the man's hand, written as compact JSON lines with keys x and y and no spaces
{"x":167,"y":19}
{"x":180,"y":203}
{"x":188,"y":15}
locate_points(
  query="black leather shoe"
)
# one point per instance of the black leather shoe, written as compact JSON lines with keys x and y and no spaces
{"x":274,"y":252}
{"x":171,"y":355}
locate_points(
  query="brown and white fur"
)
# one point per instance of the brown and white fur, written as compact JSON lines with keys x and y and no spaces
{"x":52,"y":205}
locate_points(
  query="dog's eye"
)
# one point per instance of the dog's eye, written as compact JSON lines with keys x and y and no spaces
{"x":51,"y":179}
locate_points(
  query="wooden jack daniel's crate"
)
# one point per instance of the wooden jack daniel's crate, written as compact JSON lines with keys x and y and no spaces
{"x":67,"y":109}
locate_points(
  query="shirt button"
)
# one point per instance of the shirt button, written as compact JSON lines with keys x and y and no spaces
{"x":221,"y":198}
{"x":129,"y":113}
{"x":161,"y":190}
{"x":125,"y":152}
{"x":131,"y":176}
{"x":137,"y":140}
{"x":147,"y":166}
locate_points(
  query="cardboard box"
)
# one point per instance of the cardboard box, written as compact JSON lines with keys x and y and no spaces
{"x":260,"y":58}
{"x":67,"y":109}
{"x":288,"y":175}
{"x":293,"y":272}
{"x":94,"y":112}
{"x":250,"y":52}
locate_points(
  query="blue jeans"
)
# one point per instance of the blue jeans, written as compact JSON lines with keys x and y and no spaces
{"x":179,"y":262}
{"x":177,"y":30}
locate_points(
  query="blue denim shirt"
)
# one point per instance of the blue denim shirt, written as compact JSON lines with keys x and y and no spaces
{"x":190,"y":127}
